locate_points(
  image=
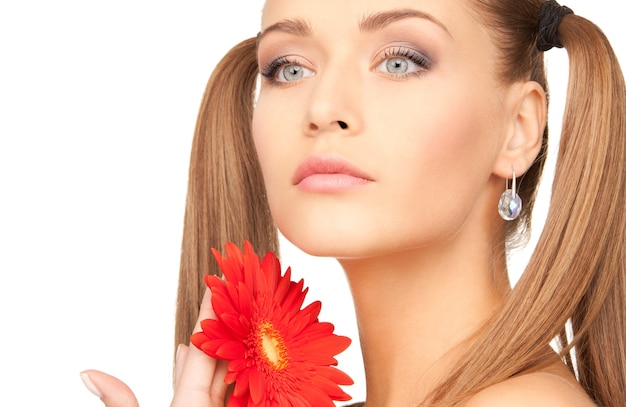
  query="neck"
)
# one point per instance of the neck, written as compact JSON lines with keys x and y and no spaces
{"x":419,"y":306}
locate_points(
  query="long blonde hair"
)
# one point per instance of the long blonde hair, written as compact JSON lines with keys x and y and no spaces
{"x":577,"y":272}
{"x":225,"y":194}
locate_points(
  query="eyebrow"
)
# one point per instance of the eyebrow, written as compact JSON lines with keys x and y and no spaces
{"x":378,"y":21}
{"x":373,"y":22}
{"x":297,"y":27}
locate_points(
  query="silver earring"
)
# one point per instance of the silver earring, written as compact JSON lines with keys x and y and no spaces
{"x":510,"y":204}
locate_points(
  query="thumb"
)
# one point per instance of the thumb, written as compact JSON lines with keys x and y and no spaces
{"x":112,"y":391}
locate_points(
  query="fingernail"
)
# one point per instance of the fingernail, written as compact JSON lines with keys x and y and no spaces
{"x":89,"y":385}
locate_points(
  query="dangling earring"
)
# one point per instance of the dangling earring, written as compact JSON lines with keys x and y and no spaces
{"x":510,"y":204}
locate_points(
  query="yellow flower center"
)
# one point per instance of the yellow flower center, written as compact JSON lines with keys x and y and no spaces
{"x":273,"y":347}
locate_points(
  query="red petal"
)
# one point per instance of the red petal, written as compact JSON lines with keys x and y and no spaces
{"x":218,"y":258}
{"x":316,"y":397}
{"x":300,"y":400}
{"x":263,"y":290}
{"x":296,"y":325}
{"x":251,"y":266}
{"x":238,"y":402}
{"x":318,"y":330}
{"x":213,"y":282}
{"x":198,"y":339}
{"x":335,"y":375}
{"x":233,"y":252}
{"x":232,"y":265}
{"x":304,"y":318}
{"x":238,"y":365}
{"x":232,"y":293}
{"x":257,"y":386}
{"x":313,"y":332}
{"x":295,"y":297}
{"x":210,"y":347}
{"x":320,"y":351}
{"x":234,"y":323}
{"x":246,"y":300}
{"x":266,"y":307}
{"x":241,"y":386}
{"x":313,"y":309}
{"x":328,"y":387}
{"x":216,"y":330}
{"x":215,"y":343}
{"x":231,"y":350}
{"x":271,"y":268}
{"x":283,"y":287}
{"x":231,"y":377}
{"x":210,"y":326}
{"x":209,"y":350}
{"x":222,"y":304}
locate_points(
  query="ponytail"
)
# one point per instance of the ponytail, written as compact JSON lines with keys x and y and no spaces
{"x":225,"y":195}
{"x":578,"y":270}
{"x":595,"y":121}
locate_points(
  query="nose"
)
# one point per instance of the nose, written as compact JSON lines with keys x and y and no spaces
{"x":335,"y":102}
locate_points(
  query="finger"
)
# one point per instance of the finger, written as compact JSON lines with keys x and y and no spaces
{"x":181,"y":357}
{"x":199,"y":366}
{"x":112,"y":391}
{"x":218,"y":386}
{"x":198,"y":383}
{"x":206,"y":310}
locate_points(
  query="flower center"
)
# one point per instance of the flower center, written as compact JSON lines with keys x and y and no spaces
{"x":272,"y":346}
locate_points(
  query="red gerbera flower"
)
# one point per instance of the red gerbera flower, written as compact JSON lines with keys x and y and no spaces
{"x":279,"y":354}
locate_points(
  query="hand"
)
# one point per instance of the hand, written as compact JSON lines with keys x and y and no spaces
{"x":198,"y":378}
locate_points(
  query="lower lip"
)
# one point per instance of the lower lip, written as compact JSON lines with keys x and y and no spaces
{"x":331,"y":183}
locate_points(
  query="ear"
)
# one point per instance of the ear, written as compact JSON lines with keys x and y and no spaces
{"x":524,"y":129}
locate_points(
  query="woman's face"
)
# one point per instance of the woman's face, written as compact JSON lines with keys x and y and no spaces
{"x":377,"y":123}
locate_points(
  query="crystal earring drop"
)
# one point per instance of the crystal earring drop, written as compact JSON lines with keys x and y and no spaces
{"x":510,"y":204}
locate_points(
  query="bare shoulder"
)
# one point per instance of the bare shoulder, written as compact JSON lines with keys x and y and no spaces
{"x":545,"y":388}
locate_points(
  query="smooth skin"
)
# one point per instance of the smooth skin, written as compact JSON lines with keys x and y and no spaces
{"x":406,"y":91}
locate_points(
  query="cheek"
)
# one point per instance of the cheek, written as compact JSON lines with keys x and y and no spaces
{"x":270,"y":134}
{"x":442,"y":154}
{"x":445,"y":137}
{"x":275,"y":131}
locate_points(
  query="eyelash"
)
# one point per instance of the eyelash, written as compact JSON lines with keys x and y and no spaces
{"x":271,"y":69}
{"x":419,"y":59}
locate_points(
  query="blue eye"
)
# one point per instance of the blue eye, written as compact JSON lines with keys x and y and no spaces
{"x":398,"y":65}
{"x":290,"y":73}
{"x":402,"y":62}
{"x":285,"y":70}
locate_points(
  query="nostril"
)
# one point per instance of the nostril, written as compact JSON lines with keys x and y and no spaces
{"x":343,"y":125}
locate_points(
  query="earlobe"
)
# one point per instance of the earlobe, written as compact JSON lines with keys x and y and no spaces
{"x":525,"y":135}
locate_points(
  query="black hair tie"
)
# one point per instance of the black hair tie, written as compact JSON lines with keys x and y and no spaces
{"x":550,"y":15}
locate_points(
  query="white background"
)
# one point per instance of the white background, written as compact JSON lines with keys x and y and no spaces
{"x":98,"y":102}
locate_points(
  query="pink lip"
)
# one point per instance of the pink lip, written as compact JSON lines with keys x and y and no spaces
{"x":328,"y":174}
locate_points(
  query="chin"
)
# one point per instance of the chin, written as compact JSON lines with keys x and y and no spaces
{"x":328,"y":244}
{"x":345,"y":247}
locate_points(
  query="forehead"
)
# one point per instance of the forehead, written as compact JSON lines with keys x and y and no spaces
{"x":348,"y":13}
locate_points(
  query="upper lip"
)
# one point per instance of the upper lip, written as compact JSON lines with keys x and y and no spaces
{"x":317,"y":164}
